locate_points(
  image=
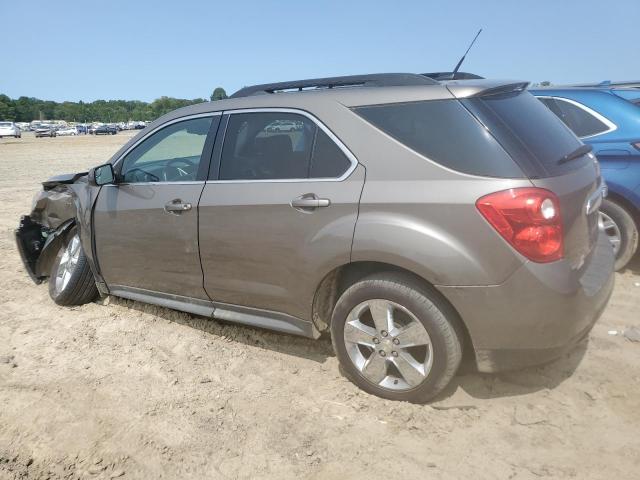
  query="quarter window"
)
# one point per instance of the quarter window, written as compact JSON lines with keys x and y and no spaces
{"x":278,"y":146}
{"x":583,"y":123}
{"x":328,"y":160}
{"x":169,"y":155}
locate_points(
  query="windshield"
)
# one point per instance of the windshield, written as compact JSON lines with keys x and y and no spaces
{"x":529,"y":131}
{"x":5,"y":124}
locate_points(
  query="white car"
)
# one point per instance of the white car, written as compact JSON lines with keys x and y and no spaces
{"x":10,"y":129}
{"x":65,"y":131}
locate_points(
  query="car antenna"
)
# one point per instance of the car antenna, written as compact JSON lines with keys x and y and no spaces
{"x":455,"y":70}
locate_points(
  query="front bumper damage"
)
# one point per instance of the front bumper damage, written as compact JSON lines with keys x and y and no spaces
{"x":37,"y":234}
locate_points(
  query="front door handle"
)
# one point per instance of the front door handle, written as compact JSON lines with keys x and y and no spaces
{"x":177,"y":206}
{"x":310,"y":202}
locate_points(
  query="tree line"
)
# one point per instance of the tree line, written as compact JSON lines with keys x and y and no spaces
{"x":27,"y":109}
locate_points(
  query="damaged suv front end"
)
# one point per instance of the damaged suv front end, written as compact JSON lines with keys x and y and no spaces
{"x":64,"y":202}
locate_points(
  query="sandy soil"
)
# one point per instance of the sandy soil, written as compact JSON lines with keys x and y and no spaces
{"x":124,"y":389}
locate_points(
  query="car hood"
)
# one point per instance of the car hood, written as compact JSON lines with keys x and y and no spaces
{"x":63,"y":179}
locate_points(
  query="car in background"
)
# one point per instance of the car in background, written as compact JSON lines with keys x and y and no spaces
{"x":105,"y":130}
{"x":67,"y":131}
{"x":45,"y":131}
{"x":284,"y":126}
{"x":608,"y":118}
{"x":10,"y":129}
{"x":82,"y":129}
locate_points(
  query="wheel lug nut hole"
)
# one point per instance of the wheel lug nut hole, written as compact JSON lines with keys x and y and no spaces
{"x":394,"y":353}
{"x":384,"y":333}
{"x":376,"y":340}
{"x":396,"y":341}
{"x":382,"y":353}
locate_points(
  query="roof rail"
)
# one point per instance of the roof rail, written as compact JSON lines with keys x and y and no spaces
{"x":371,"y":80}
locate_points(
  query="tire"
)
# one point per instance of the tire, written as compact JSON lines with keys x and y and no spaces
{"x":80,"y":286}
{"x":412,"y":304}
{"x":621,"y":228}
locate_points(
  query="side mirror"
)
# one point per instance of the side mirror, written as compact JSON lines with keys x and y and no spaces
{"x":102,"y":175}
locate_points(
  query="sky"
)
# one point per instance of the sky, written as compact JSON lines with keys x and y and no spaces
{"x":143,"y":49}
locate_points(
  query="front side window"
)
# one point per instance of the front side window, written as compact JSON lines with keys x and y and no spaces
{"x":279,"y":146}
{"x":172,"y":154}
{"x":583,"y":123}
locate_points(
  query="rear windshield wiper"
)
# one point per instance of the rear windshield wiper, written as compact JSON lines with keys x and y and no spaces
{"x":577,"y":153}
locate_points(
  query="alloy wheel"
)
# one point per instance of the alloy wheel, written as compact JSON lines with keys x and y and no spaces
{"x":388,"y":345}
{"x":68,"y":263}
{"x":612,"y":231}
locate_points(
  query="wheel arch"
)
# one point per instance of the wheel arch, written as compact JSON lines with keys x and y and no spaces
{"x":623,"y":202}
{"x":51,"y":247}
{"x":341,"y":278}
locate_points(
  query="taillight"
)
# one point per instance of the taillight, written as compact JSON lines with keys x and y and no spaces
{"x":529,"y":219}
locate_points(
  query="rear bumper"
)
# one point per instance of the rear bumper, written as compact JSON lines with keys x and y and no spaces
{"x":539,"y":313}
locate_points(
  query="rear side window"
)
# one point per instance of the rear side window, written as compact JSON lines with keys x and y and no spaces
{"x":278,"y":146}
{"x":534,"y":137}
{"x":446,"y":133}
{"x":583,"y":123}
{"x":328,"y":160}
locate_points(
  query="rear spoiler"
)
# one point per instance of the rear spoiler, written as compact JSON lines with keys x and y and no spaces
{"x":483,"y":88}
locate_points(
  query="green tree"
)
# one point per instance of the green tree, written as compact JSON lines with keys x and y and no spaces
{"x":218,"y":94}
{"x":7,"y":111}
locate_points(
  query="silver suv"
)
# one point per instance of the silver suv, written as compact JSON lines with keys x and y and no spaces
{"x":414,"y":221}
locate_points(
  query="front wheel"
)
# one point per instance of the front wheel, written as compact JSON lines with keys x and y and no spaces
{"x":71,"y":281}
{"x":396,"y":338}
{"x":622,"y":231}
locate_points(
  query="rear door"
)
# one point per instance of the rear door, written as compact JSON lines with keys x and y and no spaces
{"x":146,"y":226}
{"x":278,"y":212}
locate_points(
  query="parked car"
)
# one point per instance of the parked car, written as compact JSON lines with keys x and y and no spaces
{"x":474,"y":230}
{"x":608,"y":118}
{"x":283,"y":126}
{"x":10,"y":129}
{"x":105,"y":130}
{"x":66,"y":131}
{"x":82,"y":129}
{"x":45,"y":131}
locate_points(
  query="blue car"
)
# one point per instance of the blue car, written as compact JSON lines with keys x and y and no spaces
{"x":608,"y":118}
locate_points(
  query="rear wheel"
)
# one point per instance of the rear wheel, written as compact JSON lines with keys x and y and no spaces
{"x":622,"y":231}
{"x":71,"y":281}
{"x":396,"y":338}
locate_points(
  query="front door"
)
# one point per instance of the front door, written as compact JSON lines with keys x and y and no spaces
{"x":279,"y":213}
{"x":146,"y":226}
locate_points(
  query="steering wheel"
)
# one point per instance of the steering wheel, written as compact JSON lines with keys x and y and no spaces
{"x":180,"y":171}
{"x":151,"y":177}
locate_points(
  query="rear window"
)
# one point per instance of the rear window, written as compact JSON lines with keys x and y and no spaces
{"x":529,"y":131}
{"x":444,"y":132}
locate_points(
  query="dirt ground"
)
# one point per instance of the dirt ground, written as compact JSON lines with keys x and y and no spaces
{"x":120,"y":389}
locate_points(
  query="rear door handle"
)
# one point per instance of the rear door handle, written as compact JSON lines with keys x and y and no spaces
{"x":177,"y":206}
{"x":310,"y":202}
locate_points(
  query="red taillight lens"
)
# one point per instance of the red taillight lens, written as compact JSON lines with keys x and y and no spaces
{"x":529,"y":219}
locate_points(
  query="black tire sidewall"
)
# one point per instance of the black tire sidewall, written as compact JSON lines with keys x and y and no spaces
{"x":420,"y":305}
{"x":628,"y":231}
